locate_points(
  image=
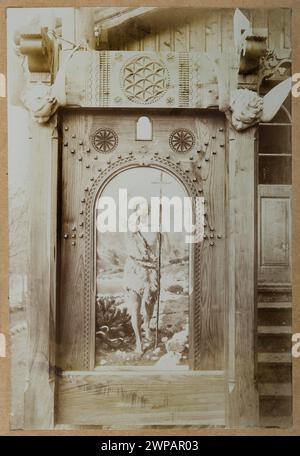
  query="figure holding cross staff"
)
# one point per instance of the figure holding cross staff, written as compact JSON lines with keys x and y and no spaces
{"x":142,"y":279}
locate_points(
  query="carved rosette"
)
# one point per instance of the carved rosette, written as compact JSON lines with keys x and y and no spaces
{"x":104,"y":140}
{"x":144,"y":79}
{"x":182,"y":140}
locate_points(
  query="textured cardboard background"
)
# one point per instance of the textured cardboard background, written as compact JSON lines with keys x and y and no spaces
{"x":4,"y":313}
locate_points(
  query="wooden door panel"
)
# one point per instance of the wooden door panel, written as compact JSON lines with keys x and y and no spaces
{"x":184,"y":397}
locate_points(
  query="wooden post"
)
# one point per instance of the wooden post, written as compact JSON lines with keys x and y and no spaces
{"x":242,"y":395}
{"x":39,"y":393}
{"x":84,"y":26}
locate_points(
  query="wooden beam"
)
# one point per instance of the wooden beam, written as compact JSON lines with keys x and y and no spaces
{"x":122,"y":16}
{"x":104,"y":13}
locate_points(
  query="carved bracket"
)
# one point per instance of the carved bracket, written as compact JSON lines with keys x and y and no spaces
{"x":275,"y":64}
{"x":247,"y":108}
{"x":43,"y":100}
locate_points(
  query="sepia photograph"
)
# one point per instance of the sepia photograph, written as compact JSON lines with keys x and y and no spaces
{"x":150,"y":223}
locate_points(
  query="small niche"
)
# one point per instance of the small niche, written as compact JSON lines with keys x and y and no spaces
{"x":143,"y":129}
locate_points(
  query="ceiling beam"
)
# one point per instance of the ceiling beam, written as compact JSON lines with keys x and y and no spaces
{"x":119,"y":16}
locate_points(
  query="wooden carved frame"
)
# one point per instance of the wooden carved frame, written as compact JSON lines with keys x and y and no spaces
{"x":116,"y":167}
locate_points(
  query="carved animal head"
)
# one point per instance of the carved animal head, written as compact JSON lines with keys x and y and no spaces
{"x":43,"y":100}
{"x":40,"y":101}
{"x":247,"y":108}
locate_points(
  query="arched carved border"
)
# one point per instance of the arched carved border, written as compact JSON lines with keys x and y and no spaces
{"x":114,"y":168}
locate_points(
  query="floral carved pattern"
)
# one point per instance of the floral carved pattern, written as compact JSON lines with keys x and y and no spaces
{"x":104,"y":140}
{"x":182,"y":140}
{"x":144,"y":80}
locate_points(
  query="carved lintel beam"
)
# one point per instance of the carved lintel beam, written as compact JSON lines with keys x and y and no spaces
{"x":104,"y":79}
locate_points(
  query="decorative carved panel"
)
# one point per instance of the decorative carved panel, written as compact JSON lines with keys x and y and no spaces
{"x":198,"y":162}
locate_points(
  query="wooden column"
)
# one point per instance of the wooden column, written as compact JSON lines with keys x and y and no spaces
{"x":39,"y":393}
{"x":242,"y":395}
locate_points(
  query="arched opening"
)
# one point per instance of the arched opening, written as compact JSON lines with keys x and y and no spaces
{"x":142,"y":278}
{"x":144,"y":129}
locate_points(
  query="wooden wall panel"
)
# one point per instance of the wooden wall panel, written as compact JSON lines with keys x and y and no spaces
{"x":274,"y":234}
{"x":259,"y":18}
{"x":197,"y":29}
{"x":226,"y":29}
{"x":149,"y":42}
{"x":276,"y":29}
{"x":287,"y":28}
{"x":181,"y":37}
{"x":197,"y":35}
{"x":213,"y":31}
{"x":164,"y":39}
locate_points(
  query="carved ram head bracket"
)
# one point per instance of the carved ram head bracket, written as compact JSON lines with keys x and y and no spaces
{"x":42,"y":100}
{"x":247,"y":108}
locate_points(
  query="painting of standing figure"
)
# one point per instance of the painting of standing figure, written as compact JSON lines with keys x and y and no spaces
{"x":142,"y":309}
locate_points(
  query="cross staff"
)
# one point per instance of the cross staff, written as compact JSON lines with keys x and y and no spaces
{"x":161,"y":182}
